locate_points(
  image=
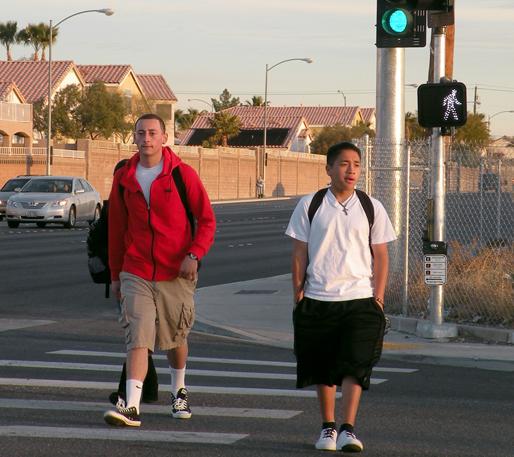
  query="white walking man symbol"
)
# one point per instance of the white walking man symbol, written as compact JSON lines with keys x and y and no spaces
{"x":449,"y":102}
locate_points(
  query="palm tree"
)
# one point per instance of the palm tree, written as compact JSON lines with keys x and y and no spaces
{"x":256,"y":100}
{"x":45,"y":38}
{"x":8,"y":36}
{"x":226,"y":126}
{"x":33,"y":35}
{"x":184,"y":120}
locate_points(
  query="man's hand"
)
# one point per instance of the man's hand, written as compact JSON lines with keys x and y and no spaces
{"x":188,"y":269}
{"x":298,"y":296}
{"x":116,"y":289}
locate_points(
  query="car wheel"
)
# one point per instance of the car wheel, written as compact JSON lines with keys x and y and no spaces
{"x":13,"y":224}
{"x":72,"y":218}
{"x":41,"y":224}
{"x":96,"y":214}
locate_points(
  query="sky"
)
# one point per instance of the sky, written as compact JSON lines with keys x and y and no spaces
{"x":205,"y":46}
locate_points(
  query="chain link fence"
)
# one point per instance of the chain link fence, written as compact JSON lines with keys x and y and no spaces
{"x":479,"y":220}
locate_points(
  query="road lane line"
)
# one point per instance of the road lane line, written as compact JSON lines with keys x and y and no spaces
{"x":16,"y":324}
{"x":120,"y":434}
{"x":216,"y":360}
{"x":115,"y":368}
{"x":63,"y":384}
{"x":251,"y":413}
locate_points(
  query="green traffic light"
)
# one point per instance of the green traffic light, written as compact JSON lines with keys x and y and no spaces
{"x":397,"y":21}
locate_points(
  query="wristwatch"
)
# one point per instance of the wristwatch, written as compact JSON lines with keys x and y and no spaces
{"x":192,"y":256}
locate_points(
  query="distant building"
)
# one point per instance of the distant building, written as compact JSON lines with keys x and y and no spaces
{"x":15,"y":117}
{"x":290,"y":128}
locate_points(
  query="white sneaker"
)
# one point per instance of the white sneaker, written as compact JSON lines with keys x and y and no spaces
{"x":348,"y":442}
{"x":327,"y":440}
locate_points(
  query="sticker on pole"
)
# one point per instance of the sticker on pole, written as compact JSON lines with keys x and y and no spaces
{"x":436,"y":269}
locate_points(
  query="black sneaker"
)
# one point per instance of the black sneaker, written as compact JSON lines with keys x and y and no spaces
{"x":179,"y":405}
{"x":123,"y":416}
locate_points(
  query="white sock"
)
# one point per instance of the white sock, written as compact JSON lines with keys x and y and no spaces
{"x":134,"y":391}
{"x":178,"y":376}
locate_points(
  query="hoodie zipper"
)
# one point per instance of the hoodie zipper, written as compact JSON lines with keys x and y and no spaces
{"x":152,"y":232}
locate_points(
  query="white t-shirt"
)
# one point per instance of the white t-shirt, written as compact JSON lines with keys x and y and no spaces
{"x":340,"y":261}
{"x":146,"y":176}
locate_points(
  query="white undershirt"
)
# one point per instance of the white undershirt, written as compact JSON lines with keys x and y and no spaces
{"x":146,"y":176}
{"x":340,"y":262}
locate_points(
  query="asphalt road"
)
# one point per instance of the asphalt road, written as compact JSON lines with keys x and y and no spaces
{"x":55,"y":377}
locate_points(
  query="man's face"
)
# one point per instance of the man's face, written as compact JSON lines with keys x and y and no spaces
{"x":346,"y":169}
{"x":149,"y":137}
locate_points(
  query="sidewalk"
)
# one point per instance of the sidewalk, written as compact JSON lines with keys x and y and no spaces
{"x":260,"y":311}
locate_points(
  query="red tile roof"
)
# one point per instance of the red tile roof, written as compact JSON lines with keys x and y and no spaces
{"x":314,"y":115}
{"x":155,"y":87}
{"x":367,"y":114}
{"x":32,"y":77}
{"x":107,"y":74}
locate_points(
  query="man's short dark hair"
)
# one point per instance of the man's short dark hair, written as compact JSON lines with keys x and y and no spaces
{"x":335,"y":150}
{"x":152,"y":116}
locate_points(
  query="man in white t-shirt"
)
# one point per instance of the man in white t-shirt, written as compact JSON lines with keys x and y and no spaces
{"x":339,"y":270}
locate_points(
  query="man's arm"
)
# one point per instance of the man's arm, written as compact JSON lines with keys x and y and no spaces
{"x":117,"y":226}
{"x":299,"y":268}
{"x":380,"y":270}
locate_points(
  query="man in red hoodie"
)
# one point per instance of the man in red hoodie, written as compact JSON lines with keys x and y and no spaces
{"x":153,"y":257}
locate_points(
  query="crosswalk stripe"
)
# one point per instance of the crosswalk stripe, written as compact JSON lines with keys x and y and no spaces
{"x":16,"y":324}
{"x":122,"y":355}
{"x":103,"y":367}
{"x":251,"y":413}
{"x":118,"y":434}
{"x":62,"y":384}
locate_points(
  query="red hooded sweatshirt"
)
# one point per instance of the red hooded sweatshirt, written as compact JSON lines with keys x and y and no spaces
{"x":152,"y":240}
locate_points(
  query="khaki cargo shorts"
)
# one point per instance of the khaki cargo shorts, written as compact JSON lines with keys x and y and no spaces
{"x":158,"y":313}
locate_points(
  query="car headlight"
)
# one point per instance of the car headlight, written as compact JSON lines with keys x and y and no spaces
{"x":12,"y":204}
{"x":60,"y":203}
{"x":1,"y":202}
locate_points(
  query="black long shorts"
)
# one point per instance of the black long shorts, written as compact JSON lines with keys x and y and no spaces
{"x":337,"y":339}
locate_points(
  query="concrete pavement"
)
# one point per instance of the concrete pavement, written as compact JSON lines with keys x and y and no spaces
{"x":260,"y":311}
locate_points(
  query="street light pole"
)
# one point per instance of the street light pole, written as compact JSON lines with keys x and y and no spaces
{"x":496,"y":114}
{"x":211,"y":106}
{"x":107,"y":12}
{"x":344,"y":96}
{"x":265,"y":120}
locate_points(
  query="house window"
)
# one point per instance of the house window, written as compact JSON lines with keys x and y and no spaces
{"x":18,"y":140}
{"x":164,"y":111}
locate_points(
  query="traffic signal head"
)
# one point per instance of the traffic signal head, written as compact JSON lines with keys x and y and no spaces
{"x":442,"y":105}
{"x":400,"y":24}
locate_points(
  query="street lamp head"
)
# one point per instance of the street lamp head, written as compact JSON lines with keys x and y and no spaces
{"x":308,"y":60}
{"x":107,"y":11}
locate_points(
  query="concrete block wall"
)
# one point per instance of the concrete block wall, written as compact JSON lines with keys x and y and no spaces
{"x":226,"y":173}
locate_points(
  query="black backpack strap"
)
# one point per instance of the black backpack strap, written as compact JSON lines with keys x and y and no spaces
{"x":367,"y":205}
{"x":181,"y":187}
{"x":316,"y":203}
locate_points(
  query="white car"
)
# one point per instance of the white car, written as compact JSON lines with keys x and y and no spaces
{"x":54,"y":199}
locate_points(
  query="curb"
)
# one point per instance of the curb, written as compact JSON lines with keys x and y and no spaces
{"x":410,"y":325}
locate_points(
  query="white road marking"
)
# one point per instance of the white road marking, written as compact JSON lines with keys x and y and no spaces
{"x":120,"y":434}
{"x":252,"y":413}
{"x":15,"y":324}
{"x":115,"y":368}
{"x":62,"y":384}
{"x":218,"y":360}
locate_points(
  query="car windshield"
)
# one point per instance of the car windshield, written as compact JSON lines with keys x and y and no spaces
{"x":49,"y":185}
{"x":12,"y":184}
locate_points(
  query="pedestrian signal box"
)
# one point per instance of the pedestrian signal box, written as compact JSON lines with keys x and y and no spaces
{"x":442,"y":105}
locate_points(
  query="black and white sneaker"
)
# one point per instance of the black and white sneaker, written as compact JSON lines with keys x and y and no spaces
{"x":327,"y":440}
{"x":179,"y":405}
{"x":123,"y":416}
{"x":348,"y":442}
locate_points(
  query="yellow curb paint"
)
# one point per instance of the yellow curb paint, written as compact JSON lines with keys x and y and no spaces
{"x":399,"y":346}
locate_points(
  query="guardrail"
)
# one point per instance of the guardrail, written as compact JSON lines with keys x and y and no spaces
{"x":40,"y":152}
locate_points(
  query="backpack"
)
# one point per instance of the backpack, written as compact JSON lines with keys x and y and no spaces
{"x":97,"y":238}
{"x":364,"y":199}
